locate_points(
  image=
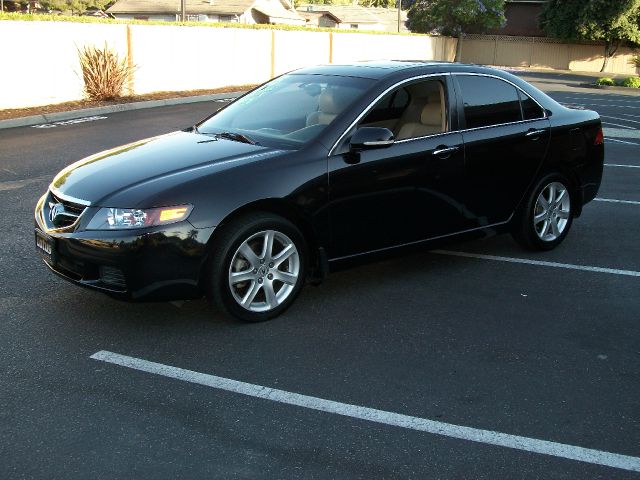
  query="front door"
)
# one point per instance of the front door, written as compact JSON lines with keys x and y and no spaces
{"x":407,"y":192}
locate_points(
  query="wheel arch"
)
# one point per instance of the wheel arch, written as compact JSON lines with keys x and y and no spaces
{"x":571,"y":175}
{"x":287,"y":210}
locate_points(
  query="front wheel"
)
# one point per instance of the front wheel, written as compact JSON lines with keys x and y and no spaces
{"x":258,"y":267}
{"x":547,"y":215}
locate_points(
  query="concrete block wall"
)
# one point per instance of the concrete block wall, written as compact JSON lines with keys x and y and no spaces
{"x":43,"y":66}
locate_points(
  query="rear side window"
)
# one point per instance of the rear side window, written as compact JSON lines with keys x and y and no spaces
{"x":530,"y":109}
{"x":488,"y":101}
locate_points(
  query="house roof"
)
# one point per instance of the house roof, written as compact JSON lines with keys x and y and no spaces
{"x":277,"y":11}
{"x":315,"y":15}
{"x":389,"y":16}
{"x":194,"y":7}
{"x":344,"y":13}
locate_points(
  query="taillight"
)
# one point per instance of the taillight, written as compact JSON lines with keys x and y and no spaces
{"x":599,"y":137}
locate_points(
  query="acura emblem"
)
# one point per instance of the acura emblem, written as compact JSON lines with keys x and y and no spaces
{"x":55,"y":210}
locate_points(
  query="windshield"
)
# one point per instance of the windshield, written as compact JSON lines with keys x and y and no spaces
{"x":289,"y":111}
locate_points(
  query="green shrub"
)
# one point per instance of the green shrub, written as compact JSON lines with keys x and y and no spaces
{"x":636,"y":61}
{"x":104,"y":73}
{"x":605,"y":81}
{"x":632,"y":82}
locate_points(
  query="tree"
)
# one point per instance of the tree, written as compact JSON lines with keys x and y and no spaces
{"x":455,"y":17}
{"x":378,"y":3}
{"x":75,"y":6}
{"x":612,"y":22}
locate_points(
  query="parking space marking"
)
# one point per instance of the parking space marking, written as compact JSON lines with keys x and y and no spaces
{"x":605,"y":105}
{"x":606,"y":100}
{"x":489,"y":437}
{"x":621,"y":119}
{"x":540,"y":263}
{"x":74,"y":121}
{"x":606,"y":139}
{"x":618,"y":125}
{"x":619,"y":165}
{"x":614,"y":200}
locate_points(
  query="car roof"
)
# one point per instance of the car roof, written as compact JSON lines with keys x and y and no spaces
{"x":379,"y":69}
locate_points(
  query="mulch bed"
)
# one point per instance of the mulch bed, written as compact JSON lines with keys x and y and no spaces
{"x":78,"y":105}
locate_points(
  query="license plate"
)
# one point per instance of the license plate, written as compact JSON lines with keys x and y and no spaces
{"x":45,"y":245}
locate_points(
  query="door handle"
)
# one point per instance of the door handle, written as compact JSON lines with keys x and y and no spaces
{"x":534,"y":133}
{"x":440,"y":152}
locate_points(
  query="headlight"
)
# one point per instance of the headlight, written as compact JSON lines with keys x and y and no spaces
{"x":126,"y":218}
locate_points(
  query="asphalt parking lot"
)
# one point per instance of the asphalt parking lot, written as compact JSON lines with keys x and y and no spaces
{"x":481,"y":361}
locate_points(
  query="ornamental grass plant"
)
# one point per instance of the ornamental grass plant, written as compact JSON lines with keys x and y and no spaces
{"x":105,"y":74}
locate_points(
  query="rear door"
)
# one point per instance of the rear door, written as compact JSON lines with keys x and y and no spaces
{"x":506,"y":136}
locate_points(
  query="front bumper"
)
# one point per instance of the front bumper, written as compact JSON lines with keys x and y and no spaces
{"x":157,"y":263}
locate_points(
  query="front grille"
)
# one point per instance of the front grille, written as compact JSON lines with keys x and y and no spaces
{"x":61,"y":212}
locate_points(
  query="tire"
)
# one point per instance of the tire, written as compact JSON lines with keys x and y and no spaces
{"x":251,"y":282}
{"x":545,"y":218}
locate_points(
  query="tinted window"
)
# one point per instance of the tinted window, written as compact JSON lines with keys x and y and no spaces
{"x":414,"y":110}
{"x":389,"y":108}
{"x":489,"y":101}
{"x":288,"y":111}
{"x":530,"y":109}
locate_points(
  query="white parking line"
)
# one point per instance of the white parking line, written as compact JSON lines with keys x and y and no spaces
{"x":591,"y":105}
{"x":621,"y":119}
{"x":544,"y":447}
{"x":69,"y":122}
{"x":618,"y":165}
{"x":569,"y":266}
{"x":613,"y":200}
{"x":606,"y":100}
{"x":620,"y":141}
{"x":618,"y":125}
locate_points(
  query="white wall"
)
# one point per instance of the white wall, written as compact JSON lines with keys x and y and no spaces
{"x":192,"y":58}
{"x":42,"y":66}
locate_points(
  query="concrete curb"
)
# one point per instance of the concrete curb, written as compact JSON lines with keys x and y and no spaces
{"x":614,"y":88}
{"x":122,"y":107}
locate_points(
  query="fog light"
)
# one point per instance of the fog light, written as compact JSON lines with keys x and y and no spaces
{"x":112,"y":277}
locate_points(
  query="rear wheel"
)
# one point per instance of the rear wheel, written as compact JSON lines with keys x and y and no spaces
{"x":547,"y":215}
{"x":258,"y":267}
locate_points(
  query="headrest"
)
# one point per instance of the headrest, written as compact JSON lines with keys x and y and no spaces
{"x":333,"y":100}
{"x":432,"y":111}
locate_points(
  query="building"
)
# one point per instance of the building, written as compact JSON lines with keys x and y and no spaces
{"x":352,"y":17}
{"x":239,"y":11}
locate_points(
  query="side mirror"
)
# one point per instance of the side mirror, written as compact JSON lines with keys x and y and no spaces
{"x":367,"y":138}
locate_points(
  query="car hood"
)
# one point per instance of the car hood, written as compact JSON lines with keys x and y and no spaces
{"x":99,"y":177}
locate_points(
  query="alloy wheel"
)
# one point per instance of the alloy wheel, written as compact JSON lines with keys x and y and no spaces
{"x":552,"y":211}
{"x":264,"y":271}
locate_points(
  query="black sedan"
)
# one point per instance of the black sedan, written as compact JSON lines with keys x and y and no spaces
{"x":320,"y":165}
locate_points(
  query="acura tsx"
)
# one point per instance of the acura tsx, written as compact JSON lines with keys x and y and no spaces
{"x":316,"y":166}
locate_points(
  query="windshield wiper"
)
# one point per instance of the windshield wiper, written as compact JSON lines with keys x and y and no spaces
{"x":237,"y":137}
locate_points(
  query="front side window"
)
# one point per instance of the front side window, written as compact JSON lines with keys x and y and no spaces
{"x":411,"y":111}
{"x":488,"y":101}
{"x":289,"y":111}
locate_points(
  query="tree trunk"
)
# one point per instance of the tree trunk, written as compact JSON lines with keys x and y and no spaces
{"x":609,"y":51}
{"x":459,"y":49}
{"x":606,"y":57}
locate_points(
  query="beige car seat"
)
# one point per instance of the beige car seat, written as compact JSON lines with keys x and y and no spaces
{"x":329,"y":106}
{"x":432,"y":118}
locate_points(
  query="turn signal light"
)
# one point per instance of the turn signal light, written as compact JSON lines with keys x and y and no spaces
{"x":172,"y":214}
